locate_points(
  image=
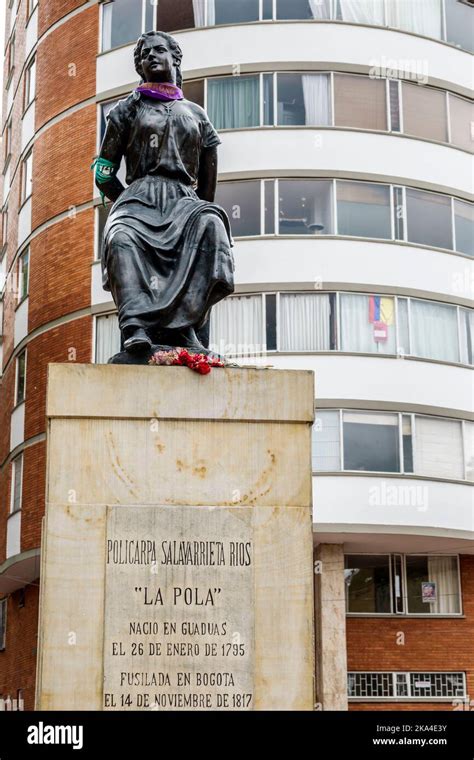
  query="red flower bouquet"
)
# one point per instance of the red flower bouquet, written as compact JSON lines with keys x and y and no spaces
{"x":180,"y":356}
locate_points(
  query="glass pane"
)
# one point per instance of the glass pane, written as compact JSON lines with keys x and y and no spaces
{"x":304,"y":99}
{"x":237,"y":326}
{"x":466,"y":322}
{"x":269,"y":207}
{"x":305,"y":207}
{"x":361,"y":12}
{"x":421,"y":17}
{"x":432,"y":585}
{"x":305,"y":322}
{"x":17,"y":481}
{"x":107,"y":340}
{"x":464,"y":224}
{"x":233,"y":102}
{"x":397,"y":587}
{"x":434,"y":330}
{"x":403,"y":348}
{"x":20,"y":380}
{"x":368,"y":583}
{"x":439,"y":447}
{"x":241,"y":200}
{"x":371,"y":442}
{"x":270,"y":321}
{"x":121,"y":23}
{"x":461,"y":114}
{"x":359,"y":102}
{"x":24,"y":269}
{"x":298,"y":9}
{"x":150,"y":6}
{"x":424,"y":112}
{"x":407,"y":443}
{"x":267,"y":10}
{"x":326,"y":442}
{"x":268,"y":115}
{"x":363,"y":209}
{"x":469,"y":449}
{"x":103,"y":213}
{"x":367,"y":324}
{"x":232,"y":12}
{"x":194,"y":91}
{"x":429,"y":219}
{"x":395,"y":125}
{"x":459,"y":24}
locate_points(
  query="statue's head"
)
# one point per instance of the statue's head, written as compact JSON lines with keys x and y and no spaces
{"x":157,"y":57}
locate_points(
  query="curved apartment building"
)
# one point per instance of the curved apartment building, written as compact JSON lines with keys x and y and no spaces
{"x":346,"y":170}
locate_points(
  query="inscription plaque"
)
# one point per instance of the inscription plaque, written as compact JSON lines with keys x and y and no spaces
{"x":179,"y":608}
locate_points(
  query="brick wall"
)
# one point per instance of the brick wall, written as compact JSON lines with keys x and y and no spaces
{"x":53,"y":10}
{"x":442,"y":644}
{"x":18,"y":659}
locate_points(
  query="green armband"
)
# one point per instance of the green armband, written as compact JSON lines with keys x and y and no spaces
{"x":104,"y":171}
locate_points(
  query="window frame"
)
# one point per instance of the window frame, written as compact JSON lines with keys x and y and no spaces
{"x":104,"y":4}
{"x":23,"y":292}
{"x":409,"y":698}
{"x":20,"y":400}
{"x":14,"y":464}
{"x":27,"y":101}
{"x":24,"y":180}
{"x":404,"y":595}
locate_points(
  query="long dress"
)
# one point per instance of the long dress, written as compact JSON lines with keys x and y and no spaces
{"x":166,"y":255}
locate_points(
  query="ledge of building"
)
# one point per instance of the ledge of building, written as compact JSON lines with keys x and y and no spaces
{"x":19,"y":570}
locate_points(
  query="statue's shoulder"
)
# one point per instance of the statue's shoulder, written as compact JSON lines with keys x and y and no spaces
{"x":196,"y":110}
{"x":125,"y":109}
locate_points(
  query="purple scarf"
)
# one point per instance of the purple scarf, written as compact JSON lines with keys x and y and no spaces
{"x":161,"y":90}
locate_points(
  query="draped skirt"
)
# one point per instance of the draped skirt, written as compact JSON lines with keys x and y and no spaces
{"x":166,"y":255}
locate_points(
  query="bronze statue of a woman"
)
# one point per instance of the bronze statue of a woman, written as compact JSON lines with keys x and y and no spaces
{"x":166,"y":248}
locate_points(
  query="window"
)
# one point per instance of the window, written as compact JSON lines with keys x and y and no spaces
{"x":469,"y":450}
{"x":306,"y":321}
{"x":107,"y":338}
{"x":412,"y":686}
{"x":20,"y":377}
{"x":434,"y":330}
{"x":303,"y":99}
{"x":429,"y":219}
{"x":23,"y":274}
{"x":424,"y":112}
{"x":394,"y":98}
{"x":237,"y":326}
{"x":367,"y":580}
{"x":305,"y":207}
{"x":432,"y":585}
{"x":241,"y":200}
{"x":459,"y":24}
{"x":371,"y":441}
{"x":234,"y":102}
{"x":327,"y":443}
{"x":123,"y":22}
{"x":30,"y":83}
{"x":363,"y":209}
{"x":466,"y":324}
{"x":360,"y":102}
{"x":439,"y":447}
{"x":174,"y":15}
{"x":230,"y":12}
{"x":3,"y":623}
{"x":194,"y":91}
{"x":462,"y":122}
{"x":17,"y":482}
{"x":11,"y":57}
{"x":464,"y":227}
{"x":409,"y":584}
{"x":8,"y":142}
{"x":4,"y":227}
{"x":26,"y":177}
{"x":302,"y":9}
{"x":367,"y":323}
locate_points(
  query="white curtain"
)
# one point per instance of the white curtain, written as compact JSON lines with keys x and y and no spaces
{"x":107,"y":340}
{"x":469,"y":449}
{"x":320,"y":8}
{"x":233,"y":102}
{"x":443,"y":572}
{"x":438,"y":448}
{"x":467,"y":335}
{"x":316,"y":99}
{"x":364,"y":11}
{"x":304,"y":322}
{"x":434,"y":331}
{"x":357,"y":332}
{"x":199,"y":7}
{"x":419,"y":16}
{"x":237,"y":326}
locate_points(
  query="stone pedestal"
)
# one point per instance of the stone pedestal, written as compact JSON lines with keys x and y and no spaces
{"x":177,"y":546}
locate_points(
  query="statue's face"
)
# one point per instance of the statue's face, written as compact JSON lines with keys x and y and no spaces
{"x":156,"y":60}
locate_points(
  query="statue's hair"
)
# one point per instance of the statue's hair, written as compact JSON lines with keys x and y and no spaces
{"x":176,"y":52}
